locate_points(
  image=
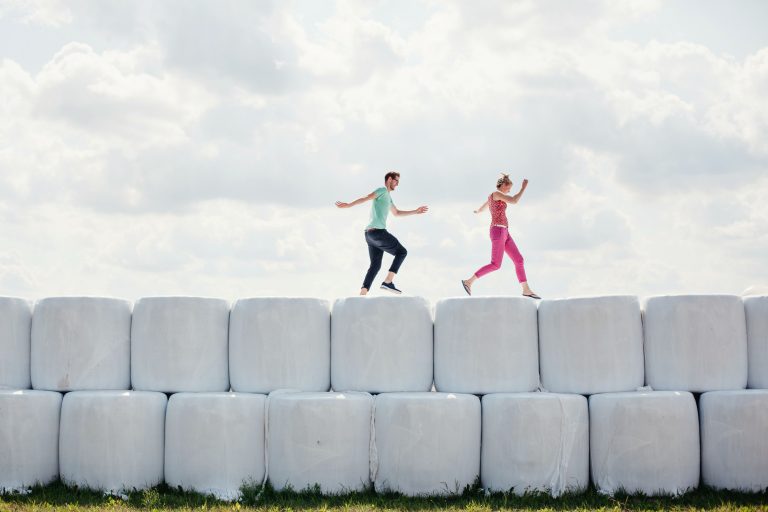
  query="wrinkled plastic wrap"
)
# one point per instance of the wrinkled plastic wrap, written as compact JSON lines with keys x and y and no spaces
{"x":280,"y":343}
{"x":645,"y":442}
{"x":695,"y":343}
{"x":214,"y":442}
{"x":426,"y":443}
{"x":535,"y":442}
{"x":757,"y":341}
{"x":112,"y":440}
{"x":486,"y":345}
{"x":320,"y":438}
{"x":15,"y":323}
{"x":180,"y":344}
{"x":734,"y":439}
{"x":591,"y":345}
{"x":29,"y":438}
{"x":81,"y":343}
{"x":381,"y":344}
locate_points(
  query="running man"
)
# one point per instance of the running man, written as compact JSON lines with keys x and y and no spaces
{"x":377,"y":237}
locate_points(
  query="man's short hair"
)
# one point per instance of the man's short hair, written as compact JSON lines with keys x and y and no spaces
{"x":391,"y":174}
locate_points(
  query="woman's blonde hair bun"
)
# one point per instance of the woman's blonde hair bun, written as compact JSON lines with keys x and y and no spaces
{"x":503,"y":180}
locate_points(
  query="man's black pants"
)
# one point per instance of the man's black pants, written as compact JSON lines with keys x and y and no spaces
{"x":380,"y":241}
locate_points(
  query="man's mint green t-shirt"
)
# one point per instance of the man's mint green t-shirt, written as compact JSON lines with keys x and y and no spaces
{"x":380,"y":209}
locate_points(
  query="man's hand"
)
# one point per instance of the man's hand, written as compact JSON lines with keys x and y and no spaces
{"x":339,"y":204}
{"x":422,"y":209}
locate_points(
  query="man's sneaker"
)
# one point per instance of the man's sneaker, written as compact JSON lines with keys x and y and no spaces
{"x":390,"y":287}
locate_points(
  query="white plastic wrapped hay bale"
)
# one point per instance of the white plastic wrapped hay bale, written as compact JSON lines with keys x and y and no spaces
{"x":695,"y":343}
{"x":112,"y":440}
{"x":381,"y":344}
{"x":486,"y":345}
{"x":757,"y":341}
{"x":591,"y":345}
{"x":15,"y":323}
{"x":426,"y":443}
{"x":214,"y":442}
{"x":81,"y":343}
{"x":646,"y":442}
{"x":180,"y":344}
{"x":535,"y":442}
{"x":734,"y":439}
{"x":320,"y":439}
{"x":29,"y":438}
{"x":280,"y":343}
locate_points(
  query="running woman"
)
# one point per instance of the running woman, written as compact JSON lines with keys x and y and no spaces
{"x":377,"y":237}
{"x":501,"y":242}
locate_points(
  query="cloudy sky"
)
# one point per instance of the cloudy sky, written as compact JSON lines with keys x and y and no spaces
{"x":197,"y":148}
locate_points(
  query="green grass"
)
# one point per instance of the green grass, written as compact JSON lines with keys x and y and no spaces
{"x":60,"y":497}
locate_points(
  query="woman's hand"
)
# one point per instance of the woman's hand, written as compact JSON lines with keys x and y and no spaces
{"x":525,"y":182}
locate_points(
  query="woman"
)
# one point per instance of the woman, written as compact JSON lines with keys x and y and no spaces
{"x":501,"y":242}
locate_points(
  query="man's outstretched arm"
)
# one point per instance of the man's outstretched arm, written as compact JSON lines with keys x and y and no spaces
{"x":360,"y":200}
{"x":405,"y":213}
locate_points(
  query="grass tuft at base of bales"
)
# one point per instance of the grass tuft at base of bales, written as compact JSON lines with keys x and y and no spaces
{"x":58,"y":496}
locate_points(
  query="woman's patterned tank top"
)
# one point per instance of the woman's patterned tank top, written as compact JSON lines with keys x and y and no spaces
{"x":498,"y":212}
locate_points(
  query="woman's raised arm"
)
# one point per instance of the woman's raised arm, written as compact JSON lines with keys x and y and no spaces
{"x":500,"y":196}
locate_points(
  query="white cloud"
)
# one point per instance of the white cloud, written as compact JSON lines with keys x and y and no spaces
{"x":118,"y":96}
{"x":51,"y":13}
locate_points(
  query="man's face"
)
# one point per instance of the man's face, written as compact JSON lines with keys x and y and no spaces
{"x":393,"y":182}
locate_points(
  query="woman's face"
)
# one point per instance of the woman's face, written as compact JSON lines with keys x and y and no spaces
{"x":506,"y":188}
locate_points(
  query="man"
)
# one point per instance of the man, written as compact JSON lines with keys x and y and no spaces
{"x":376,"y":235}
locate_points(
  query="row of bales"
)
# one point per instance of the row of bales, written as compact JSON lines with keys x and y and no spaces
{"x":390,"y":392}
